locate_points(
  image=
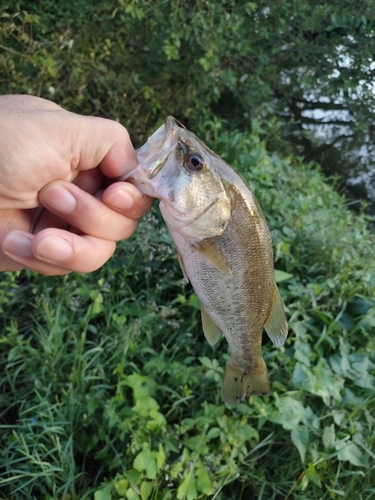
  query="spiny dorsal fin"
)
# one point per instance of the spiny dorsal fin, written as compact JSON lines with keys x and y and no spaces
{"x":211,"y":331}
{"x":182,"y":265}
{"x":214,"y":255}
{"x":276,"y":325}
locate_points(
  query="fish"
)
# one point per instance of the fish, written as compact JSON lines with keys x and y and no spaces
{"x":224,"y":248}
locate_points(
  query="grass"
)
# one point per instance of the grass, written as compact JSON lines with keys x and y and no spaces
{"x":109,"y":390}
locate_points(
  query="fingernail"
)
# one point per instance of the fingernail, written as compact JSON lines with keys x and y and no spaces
{"x":54,"y":249}
{"x":59,"y":199}
{"x":121,"y":199}
{"x":18,"y":244}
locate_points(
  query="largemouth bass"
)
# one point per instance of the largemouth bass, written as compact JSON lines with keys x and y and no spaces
{"x":224,"y":249}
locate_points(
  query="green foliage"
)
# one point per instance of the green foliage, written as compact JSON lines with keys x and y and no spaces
{"x":139,"y":61}
{"x":109,"y":390}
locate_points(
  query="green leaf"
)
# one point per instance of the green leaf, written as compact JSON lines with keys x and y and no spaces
{"x":160,"y":457}
{"x":145,"y":461}
{"x":132,"y":495}
{"x":213,"y":433}
{"x":104,"y":493}
{"x":282,"y":276}
{"x":351,"y":453}
{"x":329,"y":436}
{"x":301,"y":438}
{"x":204,"y":484}
{"x":290,"y":412}
{"x":121,"y":486}
{"x":133,"y":476}
{"x":146,"y":489}
{"x":319,"y":380}
{"x":187,"y":488}
{"x":313,"y":475}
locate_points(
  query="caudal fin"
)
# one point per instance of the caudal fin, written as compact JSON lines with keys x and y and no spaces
{"x":239,"y":383}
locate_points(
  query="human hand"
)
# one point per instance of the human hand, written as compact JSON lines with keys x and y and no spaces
{"x":56,"y":213}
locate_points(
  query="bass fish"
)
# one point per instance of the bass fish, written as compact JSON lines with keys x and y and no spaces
{"x":224,"y":248}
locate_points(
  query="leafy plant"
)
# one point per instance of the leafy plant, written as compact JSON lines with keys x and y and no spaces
{"x":110,"y":391}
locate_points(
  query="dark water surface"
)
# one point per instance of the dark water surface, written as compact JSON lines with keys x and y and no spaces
{"x":331,"y":139}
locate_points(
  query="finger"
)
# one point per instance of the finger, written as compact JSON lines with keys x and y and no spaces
{"x":105,"y":143}
{"x":16,"y":249}
{"x":11,"y":220}
{"x":55,"y":252}
{"x":90,"y":180}
{"x":85,"y":212}
{"x":127,"y":199}
{"x":47,"y":219}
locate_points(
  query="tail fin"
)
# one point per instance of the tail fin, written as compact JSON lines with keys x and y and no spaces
{"x":239,"y":383}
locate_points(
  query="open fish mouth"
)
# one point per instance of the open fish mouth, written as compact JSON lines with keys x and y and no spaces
{"x":157,"y":141}
{"x":154,"y":154}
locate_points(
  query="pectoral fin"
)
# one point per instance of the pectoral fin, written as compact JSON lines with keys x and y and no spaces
{"x":214,"y":255}
{"x":276,"y":325}
{"x":210,"y":330}
{"x":182,"y":265}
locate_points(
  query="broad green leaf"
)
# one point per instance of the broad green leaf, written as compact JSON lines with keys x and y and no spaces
{"x":187,"y":488}
{"x":329,"y":436}
{"x":145,"y":461}
{"x":133,"y":475}
{"x":282,"y":276}
{"x":121,"y":486}
{"x":289,"y":412}
{"x":207,"y":362}
{"x":301,"y":438}
{"x":213,"y":433}
{"x":160,"y":457}
{"x":351,"y":453}
{"x":104,"y":493}
{"x":301,"y":352}
{"x":132,"y":495}
{"x":145,"y":405}
{"x":204,"y":484}
{"x":319,"y":380}
{"x":146,"y":489}
{"x":157,"y":420}
{"x":313,"y":475}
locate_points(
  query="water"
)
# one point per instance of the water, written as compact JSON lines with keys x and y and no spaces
{"x":332,"y":139}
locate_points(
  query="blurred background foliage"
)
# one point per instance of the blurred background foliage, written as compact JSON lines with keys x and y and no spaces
{"x":304,"y":69}
{"x":108,"y":388}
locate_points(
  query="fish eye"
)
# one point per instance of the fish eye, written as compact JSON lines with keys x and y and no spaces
{"x":194,"y":162}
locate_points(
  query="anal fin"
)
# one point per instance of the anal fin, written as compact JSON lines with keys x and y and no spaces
{"x":210,"y":330}
{"x":276,"y":325}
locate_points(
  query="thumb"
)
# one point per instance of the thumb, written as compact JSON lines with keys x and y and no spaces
{"x":104,"y":143}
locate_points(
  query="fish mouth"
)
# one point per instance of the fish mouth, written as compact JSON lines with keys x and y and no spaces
{"x":153,"y":155}
{"x":157,"y":141}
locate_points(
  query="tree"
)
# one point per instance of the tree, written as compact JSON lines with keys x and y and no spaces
{"x":139,"y":61}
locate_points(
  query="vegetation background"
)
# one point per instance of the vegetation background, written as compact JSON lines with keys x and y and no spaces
{"x":108,"y":388}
